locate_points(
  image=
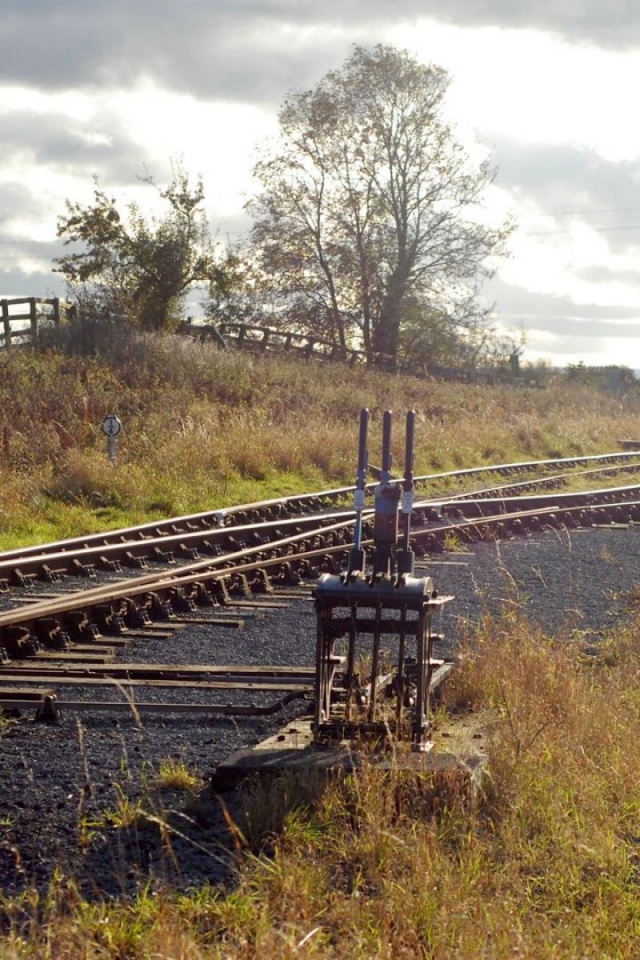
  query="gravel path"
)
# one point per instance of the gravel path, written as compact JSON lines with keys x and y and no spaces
{"x":69,"y":789}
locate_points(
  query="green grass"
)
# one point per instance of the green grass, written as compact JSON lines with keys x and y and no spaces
{"x":547,"y":866}
{"x":204,"y":428}
{"x":383,"y":865}
{"x":176,"y":775}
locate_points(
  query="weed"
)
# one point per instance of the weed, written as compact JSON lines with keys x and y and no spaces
{"x":451,"y":543}
{"x":176,"y":775}
{"x":127,"y":811}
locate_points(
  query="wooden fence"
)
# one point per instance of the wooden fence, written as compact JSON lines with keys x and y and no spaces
{"x":261,"y":339}
{"x":22,"y":317}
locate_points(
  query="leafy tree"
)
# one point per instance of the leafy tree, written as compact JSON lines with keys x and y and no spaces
{"x":232,"y":290}
{"x":369,"y":207}
{"x":135,"y":266}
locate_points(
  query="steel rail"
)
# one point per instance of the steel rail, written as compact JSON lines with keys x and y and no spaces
{"x":51,"y":705}
{"x":37,"y":670}
{"x":213,"y":567}
{"x":226,"y":565}
{"x":275,"y":509}
{"x":157,"y":674}
{"x":165,"y":548}
{"x":240,"y":562}
{"x":602,"y":497}
{"x":16,"y":567}
{"x":553,"y":479}
{"x":553,"y":517}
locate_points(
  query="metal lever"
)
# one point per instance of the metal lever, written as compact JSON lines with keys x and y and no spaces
{"x":406,"y":558}
{"x":357,"y":556}
{"x":386,"y":509}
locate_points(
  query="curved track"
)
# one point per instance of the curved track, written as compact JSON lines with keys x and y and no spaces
{"x":213,"y":532}
{"x":214,"y":562}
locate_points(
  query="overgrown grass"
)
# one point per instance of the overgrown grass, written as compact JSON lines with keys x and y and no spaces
{"x":204,"y":428}
{"x":546,"y":865}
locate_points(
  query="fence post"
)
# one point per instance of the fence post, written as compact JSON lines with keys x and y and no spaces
{"x":33,"y":320}
{"x":5,"y":322}
{"x":56,"y":310}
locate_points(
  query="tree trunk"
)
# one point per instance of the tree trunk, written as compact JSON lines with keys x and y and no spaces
{"x":387,"y":331}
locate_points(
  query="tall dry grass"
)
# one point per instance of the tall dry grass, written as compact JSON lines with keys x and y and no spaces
{"x":205,"y":428}
{"x":546,"y":865}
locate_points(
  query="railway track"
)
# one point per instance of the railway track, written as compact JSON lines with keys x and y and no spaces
{"x":216,"y":567}
{"x":218,"y":531}
{"x":194,"y":638}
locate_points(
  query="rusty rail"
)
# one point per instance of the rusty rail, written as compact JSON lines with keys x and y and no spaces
{"x":89,"y":619}
{"x":207,"y":531}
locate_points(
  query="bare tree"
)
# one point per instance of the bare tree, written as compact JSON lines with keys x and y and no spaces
{"x":369,"y":207}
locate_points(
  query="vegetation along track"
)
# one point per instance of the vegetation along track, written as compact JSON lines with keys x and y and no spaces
{"x":185,"y":656}
{"x":213,"y":532}
{"x":73,"y":638}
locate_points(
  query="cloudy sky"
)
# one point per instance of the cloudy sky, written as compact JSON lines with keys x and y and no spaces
{"x":117,"y":88}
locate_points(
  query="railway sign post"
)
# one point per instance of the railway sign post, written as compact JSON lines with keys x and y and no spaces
{"x":111,"y":428}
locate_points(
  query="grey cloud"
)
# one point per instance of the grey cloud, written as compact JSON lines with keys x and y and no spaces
{"x":560,"y":315}
{"x":249,"y":49}
{"x":221,"y":49}
{"x":592,"y":347}
{"x":26,"y":266}
{"x":100,"y":145}
{"x":571,"y":184}
{"x":605,"y":275}
{"x":603,"y":24}
{"x":33,"y":280}
{"x":16,"y":200}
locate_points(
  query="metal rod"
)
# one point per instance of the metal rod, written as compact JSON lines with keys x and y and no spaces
{"x":422,"y":693}
{"x":356,"y":559}
{"x":375,"y":662}
{"x":407,"y":500}
{"x":406,"y":560}
{"x":351,"y":656}
{"x":385,"y":473}
{"x":228,"y":709}
{"x":401,"y":677}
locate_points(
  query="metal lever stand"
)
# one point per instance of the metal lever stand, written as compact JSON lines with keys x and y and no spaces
{"x":390,"y":606}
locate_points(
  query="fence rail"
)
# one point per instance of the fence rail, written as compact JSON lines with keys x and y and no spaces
{"x":261,"y":339}
{"x":22,"y":317}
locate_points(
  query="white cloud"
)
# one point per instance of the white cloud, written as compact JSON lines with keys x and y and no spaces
{"x":534,"y":86}
{"x":118,"y":97}
{"x":216,"y":139}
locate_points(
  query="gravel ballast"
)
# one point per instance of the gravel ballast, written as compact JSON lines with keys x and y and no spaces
{"x":70,"y":790}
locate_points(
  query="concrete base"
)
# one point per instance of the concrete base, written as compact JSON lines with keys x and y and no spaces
{"x":458,"y":751}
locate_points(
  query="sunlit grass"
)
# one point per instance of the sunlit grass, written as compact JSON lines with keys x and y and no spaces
{"x":204,"y":428}
{"x":175,"y":774}
{"x":544,"y":865}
